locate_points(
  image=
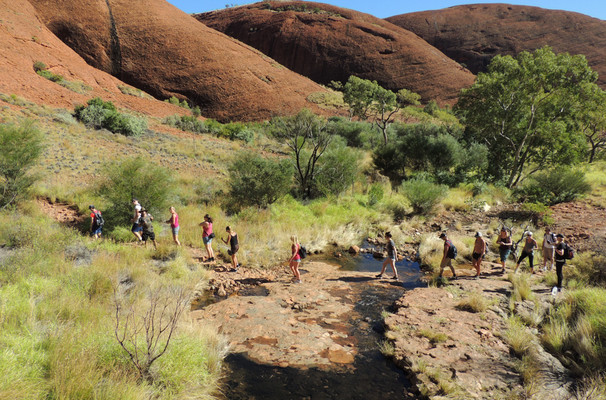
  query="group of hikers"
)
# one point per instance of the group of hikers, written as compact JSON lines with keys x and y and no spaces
{"x":553,"y":248}
{"x":143,"y":230}
{"x":554,"y":251}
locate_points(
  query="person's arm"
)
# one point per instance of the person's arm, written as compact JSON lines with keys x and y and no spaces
{"x":484,"y":246}
{"x":560,"y":252}
{"x":536,"y":246}
{"x":446,"y":247}
{"x":227,"y":239}
{"x":294,"y":253}
{"x":170,"y":220}
{"x":92,"y":221}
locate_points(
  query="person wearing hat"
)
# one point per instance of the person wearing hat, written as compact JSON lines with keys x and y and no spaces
{"x":479,"y":249}
{"x":96,"y":222}
{"x":549,"y":243}
{"x":505,"y":243}
{"x":528,"y":251}
{"x":148,"y":228}
{"x":560,"y":260}
{"x":448,"y":255}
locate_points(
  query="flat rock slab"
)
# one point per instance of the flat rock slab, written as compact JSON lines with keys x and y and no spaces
{"x":301,"y":325}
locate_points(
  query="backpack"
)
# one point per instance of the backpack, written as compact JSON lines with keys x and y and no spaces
{"x":452,"y":250}
{"x":99,"y":221}
{"x":568,"y":253}
{"x":302,"y":251}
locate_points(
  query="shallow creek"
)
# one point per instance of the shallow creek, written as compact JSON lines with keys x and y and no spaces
{"x":369,"y":376}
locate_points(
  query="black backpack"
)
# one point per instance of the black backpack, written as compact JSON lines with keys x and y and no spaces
{"x":99,"y":221}
{"x":302,"y":251}
{"x":452,"y":250}
{"x":568,"y":253}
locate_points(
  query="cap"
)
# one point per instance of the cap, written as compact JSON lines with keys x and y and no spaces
{"x":442,"y":235}
{"x":91,"y":207}
{"x":560,"y":235}
{"x":528,"y":233}
{"x":478,"y":234}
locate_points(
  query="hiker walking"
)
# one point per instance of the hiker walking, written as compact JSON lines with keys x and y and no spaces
{"x":234,"y":246}
{"x":450,"y":253}
{"x":528,"y":251}
{"x":96,"y":222}
{"x":392,"y":256}
{"x":295,"y":258}
{"x":136,"y":228}
{"x":207,"y":237}
{"x":147,"y":228}
{"x":174,"y":225}
{"x":560,"y":260}
{"x":505,"y":243}
{"x":548,"y":248}
{"x":479,"y":250}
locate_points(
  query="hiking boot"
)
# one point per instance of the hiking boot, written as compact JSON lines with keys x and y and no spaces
{"x":379,"y":276}
{"x":395,"y":277}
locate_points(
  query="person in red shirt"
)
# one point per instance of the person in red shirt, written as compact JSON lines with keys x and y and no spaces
{"x":96,"y":222}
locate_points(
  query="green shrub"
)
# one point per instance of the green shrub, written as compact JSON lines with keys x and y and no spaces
{"x":175,"y":101}
{"x":20,"y":148}
{"x":375,"y":194}
{"x":552,"y":187}
{"x":103,"y":114}
{"x":39,"y":66}
{"x":50,"y":76}
{"x":337,"y":170}
{"x":133,"y":178}
{"x":256,"y":181}
{"x":423,"y":194}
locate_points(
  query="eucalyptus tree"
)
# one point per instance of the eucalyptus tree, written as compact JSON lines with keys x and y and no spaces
{"x":525,"y":110}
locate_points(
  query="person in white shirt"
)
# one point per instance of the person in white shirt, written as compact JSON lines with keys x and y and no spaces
{"x":548,"y":248}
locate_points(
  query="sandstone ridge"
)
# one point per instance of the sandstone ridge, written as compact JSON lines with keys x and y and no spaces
{"x":327,"y":43}
{"x":473,"y":34}
{"x":156,"y":47}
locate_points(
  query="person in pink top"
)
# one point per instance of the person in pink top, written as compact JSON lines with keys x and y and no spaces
{"x":295,"y":258}
{"x":174,"y":225}
{"x":207,"y":237}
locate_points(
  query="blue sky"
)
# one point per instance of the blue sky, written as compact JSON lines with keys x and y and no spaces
{"x":383,"y":9}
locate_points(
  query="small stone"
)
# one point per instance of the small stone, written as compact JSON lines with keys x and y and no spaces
{"x":354,"y":250}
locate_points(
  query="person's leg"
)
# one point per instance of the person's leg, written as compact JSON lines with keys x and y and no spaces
{"x":233,"y":261}
{"x":297,"y":273}
{"x":454,"y":274}
{"x":292,"y":268}
{"x":476,"y":264}
{"x":559,"y":266}
{"x":522,"y":257}
{"x":383,"y":267}
{"x":392,"y":262}
{"x":155,"y":244}
{"x":531,"y":262}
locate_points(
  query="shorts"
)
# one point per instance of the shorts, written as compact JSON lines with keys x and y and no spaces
{"x":175,"y":230}
{"x":233,"y":250}
{"x":477,"y":256}
{"x":136,"y":228}
{"x":207,"y":239}
{"x":447,"y":262}
{"x":504,"y":253}
{"x":548,"y":254}
{"x":297,"y":260}
{"x":96,"y":231}
{"x":148,"y":235}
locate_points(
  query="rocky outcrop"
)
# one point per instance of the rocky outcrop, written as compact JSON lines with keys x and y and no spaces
{"x":327,"y":43}
{"x":473,"y":34}
{"x":156,"y":47}
{"x":24,"y":40}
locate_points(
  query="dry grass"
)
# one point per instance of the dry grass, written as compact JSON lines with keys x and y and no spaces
{"x":475,"y":303}
{"x":433,"y":336}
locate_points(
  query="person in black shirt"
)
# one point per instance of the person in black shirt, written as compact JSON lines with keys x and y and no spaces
{"x":392,"y":256}
{"x":560,"y":260}
{"x":234,"y":246}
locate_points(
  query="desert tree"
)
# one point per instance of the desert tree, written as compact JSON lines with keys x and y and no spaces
{"x":368,"y":100}
{"x":20,"y":148}
{"x":523,"y":109}
{"x":307,"y":137}
{"x":144,"y":328}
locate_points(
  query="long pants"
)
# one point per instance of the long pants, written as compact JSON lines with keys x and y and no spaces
{"x":559,"y":266}
{"x":530,"y":258}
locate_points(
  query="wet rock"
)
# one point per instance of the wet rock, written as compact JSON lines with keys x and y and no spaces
{"x":354,"y":250}
{"x":378,"y":254}
{"x":340,"y":357}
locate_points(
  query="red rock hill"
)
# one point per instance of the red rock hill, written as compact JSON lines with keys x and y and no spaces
{"x":328,"y":43}
{"x":473,"y":34}
{"x":156,"y":47}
